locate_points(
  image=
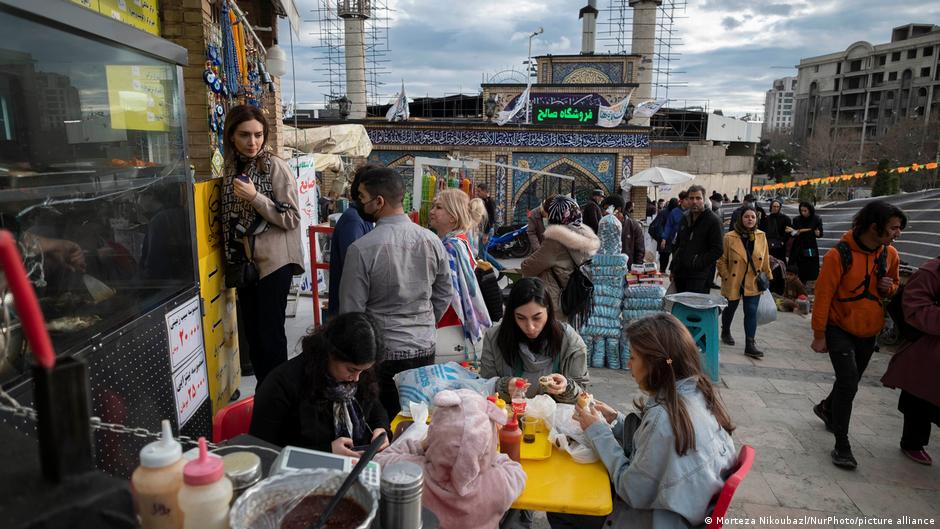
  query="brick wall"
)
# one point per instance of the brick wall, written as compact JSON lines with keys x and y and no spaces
{"x":187,"y":23}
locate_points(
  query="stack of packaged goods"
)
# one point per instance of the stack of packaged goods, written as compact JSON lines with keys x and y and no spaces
{"x":601,"y":332}
{"x":643,"y":296}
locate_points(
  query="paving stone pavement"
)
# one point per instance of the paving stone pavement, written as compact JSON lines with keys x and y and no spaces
{"x":770,"y":402}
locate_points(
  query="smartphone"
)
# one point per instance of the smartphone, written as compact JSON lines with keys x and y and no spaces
{"x":243,"y":177}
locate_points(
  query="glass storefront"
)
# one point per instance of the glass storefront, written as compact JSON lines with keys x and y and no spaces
{"x":94,"y":182}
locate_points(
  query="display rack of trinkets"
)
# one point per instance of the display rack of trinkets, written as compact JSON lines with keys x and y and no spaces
{"x":234,"y":74}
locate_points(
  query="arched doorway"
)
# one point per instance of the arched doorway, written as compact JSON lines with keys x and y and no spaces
{"x":538,"y":187}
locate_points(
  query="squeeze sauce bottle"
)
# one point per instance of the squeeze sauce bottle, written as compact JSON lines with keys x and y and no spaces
{"x":206,"y":492}
{"x":156,"y":482}
{"x":509,"y":438}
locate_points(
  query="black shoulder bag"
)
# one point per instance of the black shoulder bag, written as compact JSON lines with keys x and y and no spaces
{"x":243,"y":273}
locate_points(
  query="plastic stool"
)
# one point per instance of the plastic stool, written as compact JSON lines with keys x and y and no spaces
{"x":703,"y":325}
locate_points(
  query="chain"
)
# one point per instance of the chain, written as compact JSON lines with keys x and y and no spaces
{"x":18,"y":410}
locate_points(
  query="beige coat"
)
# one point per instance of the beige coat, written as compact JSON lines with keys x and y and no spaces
{"x":733,"y":267}
{"x":564,"y":248}
{"x":279,"y":245}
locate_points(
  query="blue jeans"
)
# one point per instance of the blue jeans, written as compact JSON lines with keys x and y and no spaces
{"x":750,"y":315}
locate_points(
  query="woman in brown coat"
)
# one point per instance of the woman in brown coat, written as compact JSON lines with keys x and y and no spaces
{"x":915,"y":368}
{"x":745,"y":254}
{"x":568,"y":244}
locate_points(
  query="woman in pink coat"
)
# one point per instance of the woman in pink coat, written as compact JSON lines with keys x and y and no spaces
{"x":915,"y":368}
{"x":467,"y":484}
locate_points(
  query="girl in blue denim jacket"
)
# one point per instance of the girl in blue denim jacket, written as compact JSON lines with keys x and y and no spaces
{"x":668,"y":463}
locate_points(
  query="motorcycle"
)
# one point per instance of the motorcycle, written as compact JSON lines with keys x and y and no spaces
{"x":509,"y":242}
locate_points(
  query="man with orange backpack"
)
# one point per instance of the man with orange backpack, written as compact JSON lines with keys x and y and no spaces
{"x":857,"y":276}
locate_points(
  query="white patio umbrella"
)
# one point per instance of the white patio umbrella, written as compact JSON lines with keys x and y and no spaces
{"x":657,"y":176}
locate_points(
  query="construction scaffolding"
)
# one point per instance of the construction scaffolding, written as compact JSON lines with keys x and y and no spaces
{"x":330,"y":68}
{"x":616,"y":27}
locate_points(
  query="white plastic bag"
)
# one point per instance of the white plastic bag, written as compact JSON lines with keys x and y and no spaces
{"x":541,"y":407}
{"x":419,"y":430}
{"x":766,"y":308}
{"x":566,"y":434}
{"x":422,"y":383}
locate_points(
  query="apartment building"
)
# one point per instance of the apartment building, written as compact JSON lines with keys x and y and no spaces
{"x":778,"y":105}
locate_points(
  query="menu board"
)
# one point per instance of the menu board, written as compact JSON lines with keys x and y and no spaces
{"x":141,"y":14}
{"x":137,"y":97}
{"x":187,"y":358}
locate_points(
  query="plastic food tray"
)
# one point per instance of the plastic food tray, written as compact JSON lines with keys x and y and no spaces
{"x":540,"y":449}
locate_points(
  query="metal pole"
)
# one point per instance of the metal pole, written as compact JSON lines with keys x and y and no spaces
{"x":528,"y":81}
{"x":861,"y":147}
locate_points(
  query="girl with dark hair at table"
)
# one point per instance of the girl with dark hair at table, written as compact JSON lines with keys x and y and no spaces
{"x":807,"y":227}
{"x":530,"y":343}
{"x":326,"y":398}
{"x":667,"y":463}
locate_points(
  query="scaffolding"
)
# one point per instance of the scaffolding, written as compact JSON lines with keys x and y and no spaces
{"x":330,"y":67}
{"x":616,"y":32}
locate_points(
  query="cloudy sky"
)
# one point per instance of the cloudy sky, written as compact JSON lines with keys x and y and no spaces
{"x":731,"y":50}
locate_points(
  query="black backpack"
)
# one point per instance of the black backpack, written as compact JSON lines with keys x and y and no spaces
{"x":577,"y":298}
{"x":489,"y":289}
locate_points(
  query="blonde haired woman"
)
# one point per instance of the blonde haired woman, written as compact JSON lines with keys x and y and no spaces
{"x":476,"y":232}
{"x":451,"y":218}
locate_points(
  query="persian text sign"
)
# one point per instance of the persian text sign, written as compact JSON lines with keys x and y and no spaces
{"x":184,"y":332}
{"x":562,"y":114}
{"x":190,"y":386}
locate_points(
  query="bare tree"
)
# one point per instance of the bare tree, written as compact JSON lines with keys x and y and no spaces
{"x":829,"y":150}
{"x":909,"y":141}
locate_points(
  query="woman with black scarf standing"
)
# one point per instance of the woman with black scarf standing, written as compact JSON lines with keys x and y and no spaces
{"x":261,"y":229}
{"x":775,"y":226}
{"x":806,"y":229}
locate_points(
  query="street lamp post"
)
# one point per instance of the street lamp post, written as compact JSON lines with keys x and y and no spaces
{"x":528,"y":70}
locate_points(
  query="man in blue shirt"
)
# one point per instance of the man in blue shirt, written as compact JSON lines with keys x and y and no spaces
{"x":350,"y":226}
{"x":673,"y":222}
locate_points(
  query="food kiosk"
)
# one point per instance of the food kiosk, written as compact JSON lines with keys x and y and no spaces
{"x":96,"y":185}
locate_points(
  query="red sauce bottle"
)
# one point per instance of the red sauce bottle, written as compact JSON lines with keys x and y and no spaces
{"x":510,"y":437}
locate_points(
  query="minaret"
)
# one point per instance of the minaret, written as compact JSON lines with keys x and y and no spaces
{"x":588,"y":14}
{"x":644,"y":41}
{"x":354,"y":14}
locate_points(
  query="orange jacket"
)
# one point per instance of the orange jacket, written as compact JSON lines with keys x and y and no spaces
{"x":861,"y":317}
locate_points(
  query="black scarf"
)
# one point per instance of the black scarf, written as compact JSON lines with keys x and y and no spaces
{"x":348,"y":420}
{"x":239,"y":218}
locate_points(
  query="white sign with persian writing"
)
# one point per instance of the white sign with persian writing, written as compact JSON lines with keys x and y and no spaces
{"x":190,"y":386}
{"x":184,"y":332}
{"x":307,"y":195}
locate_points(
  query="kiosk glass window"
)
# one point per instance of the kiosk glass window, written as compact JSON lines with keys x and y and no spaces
{"x":94,"y":182}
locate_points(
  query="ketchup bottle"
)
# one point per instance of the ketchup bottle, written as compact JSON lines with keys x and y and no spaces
{"x":510,"y":438}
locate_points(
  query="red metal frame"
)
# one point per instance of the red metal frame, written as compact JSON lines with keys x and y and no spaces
{"x":316,"y":265}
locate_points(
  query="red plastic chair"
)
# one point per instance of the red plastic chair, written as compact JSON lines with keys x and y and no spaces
{"x":745,"y":460}
{"x":232,"y":420}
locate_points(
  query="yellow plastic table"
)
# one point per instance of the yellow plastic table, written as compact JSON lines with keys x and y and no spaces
{"x":559,"y":484}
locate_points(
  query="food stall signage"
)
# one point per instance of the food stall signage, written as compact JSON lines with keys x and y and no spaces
{"x":557,"y":114}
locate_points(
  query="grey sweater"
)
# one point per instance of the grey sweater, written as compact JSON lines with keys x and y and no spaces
{"x":572,"y":363}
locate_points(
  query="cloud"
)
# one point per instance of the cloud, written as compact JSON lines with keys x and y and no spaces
{"x":731,"y":50}
{"x":730,"y":23}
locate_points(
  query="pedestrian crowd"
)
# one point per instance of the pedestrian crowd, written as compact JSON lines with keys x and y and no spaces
{"x":394,"y":284}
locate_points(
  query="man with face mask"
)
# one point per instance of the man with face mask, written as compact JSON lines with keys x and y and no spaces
{"x":400,"y":275}
{"x":352,"y":224}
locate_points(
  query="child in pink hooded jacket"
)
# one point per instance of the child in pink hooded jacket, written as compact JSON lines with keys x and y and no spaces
{"x":467,"y":483}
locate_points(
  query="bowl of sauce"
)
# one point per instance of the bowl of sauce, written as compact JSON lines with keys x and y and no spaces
{"x":295,"y":500}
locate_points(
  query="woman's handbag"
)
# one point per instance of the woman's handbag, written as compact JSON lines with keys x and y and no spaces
{"x":242,"y":273}
{"x":763,"y":282}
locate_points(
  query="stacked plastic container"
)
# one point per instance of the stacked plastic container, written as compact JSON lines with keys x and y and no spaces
{"x":601,"y":332}
{"x":638,"y":301}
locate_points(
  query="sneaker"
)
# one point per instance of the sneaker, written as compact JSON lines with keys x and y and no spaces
{"x":918,"y":456}
{"x":844,"y":459}
{"x":823,"y":414}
